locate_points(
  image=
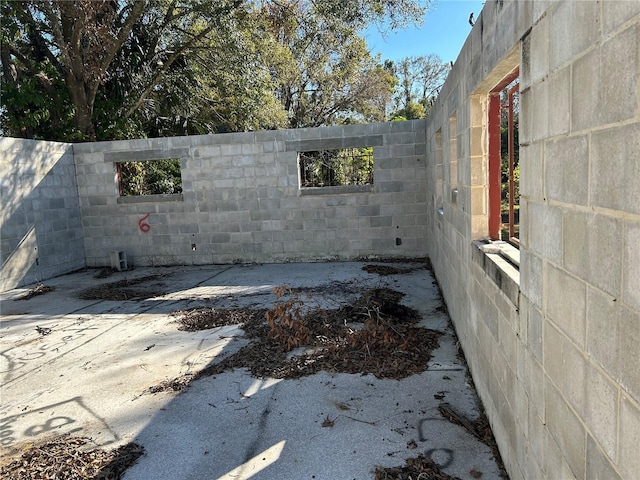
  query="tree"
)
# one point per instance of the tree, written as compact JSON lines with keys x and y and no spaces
{"x":323,"y":70}
{"x":134,"y":67}
{"x":219,"y":84}
{"x":419,"y":80}
{"x":80,"y":40}
{"x":411,"y":111}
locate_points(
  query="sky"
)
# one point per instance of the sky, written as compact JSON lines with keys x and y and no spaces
{"x":444,"y":31}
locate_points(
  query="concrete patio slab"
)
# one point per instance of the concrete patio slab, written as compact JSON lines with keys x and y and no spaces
{"x":88,"y":375}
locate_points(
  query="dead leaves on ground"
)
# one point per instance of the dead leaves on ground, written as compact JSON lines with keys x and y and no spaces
{"x":418,"y":468}
{"x":39,"y":289}
{"x":69,"y":458}
{"x":375,"y":334}
{"x":127,"y":289}
{"x":205,"y":318}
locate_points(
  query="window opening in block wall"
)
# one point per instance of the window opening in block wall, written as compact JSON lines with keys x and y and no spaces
{"x":149,"y":177}
{"x":453,"y":157}
{"x":341,"y":167}
{"x":439,"y":174}
{"x":504,"y":161}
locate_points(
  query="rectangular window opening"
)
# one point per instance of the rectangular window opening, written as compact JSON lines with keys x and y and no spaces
{"x":504,"y":162}
{"x":453,"y":157}
{"x":336,"y":168}
{"x":439,"y":173}
{"x":149,"y":177}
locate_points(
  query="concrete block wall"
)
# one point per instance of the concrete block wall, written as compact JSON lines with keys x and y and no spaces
{"x":40,"y":228}
{"x":241,"y":199}
{"x":557,"y":362}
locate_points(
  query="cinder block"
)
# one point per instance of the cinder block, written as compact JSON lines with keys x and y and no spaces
{"x":553,"y":243}
{"x":615,"y":14}
{"x":628,"y":341}
{"x":389,"y":187}
{"x":591,"y":247}
{"x":251,"y":148}
{"x":381,"y":221}
{"x":599,"y":76}
{"x":603,"y":328}
{"x":567,"y":431}
{"x":531,"y":277}
{"x":535,"y":53}
{"x":631,"y":265}
{"x":628,"y":458}
{"x":231,"y":149}
{"x":619,"y":67}
{"x":119,"y":260}
{"x":567,"y":170}
{"x":559,"y":86}
{"x":574,"y":27}
{"x":601,"y":411}
{"x":574,"y":368}
{"x":553,"y":361}
{"x":534,"y":332}
{"x":387,"y":164}
{"x":368,"y":210}
{"x":565,"y":303}
{"x":614,"y":168}
{"x":598,"y":464}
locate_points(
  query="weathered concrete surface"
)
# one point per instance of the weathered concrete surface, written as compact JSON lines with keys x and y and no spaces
{"x":88,"y":377}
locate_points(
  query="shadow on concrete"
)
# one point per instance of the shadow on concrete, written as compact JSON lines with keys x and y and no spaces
{"x":90,"y":374}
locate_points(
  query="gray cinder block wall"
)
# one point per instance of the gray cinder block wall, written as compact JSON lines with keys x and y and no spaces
{"x":40,"y":228}
{"x":242,"y":201}
{"x":554,"y":346}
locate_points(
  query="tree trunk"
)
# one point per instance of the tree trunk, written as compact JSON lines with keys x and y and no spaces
{"x":83,"y":106}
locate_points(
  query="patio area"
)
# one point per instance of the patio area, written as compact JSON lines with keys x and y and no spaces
{"x":364,"y":372}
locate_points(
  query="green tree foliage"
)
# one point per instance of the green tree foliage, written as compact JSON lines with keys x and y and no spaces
{"x":76,"y":41}
{"x":411,"y":111}
{"x":166,"y":67}
{"x":141,"y":63}
{"x":323,"y":70}
{"x":419,"y":82}
{"x":326,"y":168}
{"x":150,"y":178}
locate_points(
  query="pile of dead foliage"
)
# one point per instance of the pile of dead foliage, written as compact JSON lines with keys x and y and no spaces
{"x":127,"y":289}
{"x":386,"y":270}
{"x":373,"y":335}
{"x":419,"y":468}
{"x":39,"y":289}
{"x":205,"y":318}
{"x":68,"y":458}
{"x":175,"y":385}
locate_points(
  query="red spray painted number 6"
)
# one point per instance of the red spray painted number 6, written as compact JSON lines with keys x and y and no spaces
{"x":143,"y":225}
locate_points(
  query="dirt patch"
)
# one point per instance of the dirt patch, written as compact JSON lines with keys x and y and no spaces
{"x":69,"y":458}
{"x":375,"y":334}
{"x":39,"y":289}
{"x":128,"y":289}
{"x":387,"y":270}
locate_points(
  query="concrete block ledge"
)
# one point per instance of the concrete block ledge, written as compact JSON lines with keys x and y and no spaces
{"x":170,"y":197}
{"x":497,"y":263}
{"x":335,"y":190}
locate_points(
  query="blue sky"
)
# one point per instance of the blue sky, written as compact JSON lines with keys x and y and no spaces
{"x":444,"y":31}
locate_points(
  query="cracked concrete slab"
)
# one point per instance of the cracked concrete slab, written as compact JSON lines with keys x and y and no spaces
{"x":89,"y":376}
